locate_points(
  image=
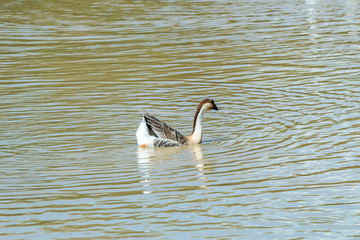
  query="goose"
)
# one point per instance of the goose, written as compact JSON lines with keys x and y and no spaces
{"x":155,"y":133}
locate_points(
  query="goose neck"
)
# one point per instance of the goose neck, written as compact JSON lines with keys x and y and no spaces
{"x":196,"y":134}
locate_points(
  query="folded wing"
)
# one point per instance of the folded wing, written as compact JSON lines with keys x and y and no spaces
{"x":161,"y":130}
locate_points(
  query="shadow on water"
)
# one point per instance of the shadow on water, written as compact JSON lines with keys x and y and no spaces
{"x":153,"y":162}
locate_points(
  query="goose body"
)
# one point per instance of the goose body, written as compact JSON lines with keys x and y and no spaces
{"x":155,"y":133}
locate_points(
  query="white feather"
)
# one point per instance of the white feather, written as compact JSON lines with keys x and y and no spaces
{"x":142,"y":135}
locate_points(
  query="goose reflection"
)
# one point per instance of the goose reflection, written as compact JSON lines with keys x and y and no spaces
{"x":155,"y":163}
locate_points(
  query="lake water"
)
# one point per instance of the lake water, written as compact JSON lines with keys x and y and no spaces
{"x":280,"y":160}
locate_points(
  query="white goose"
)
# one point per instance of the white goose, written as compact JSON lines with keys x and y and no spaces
{"x":154,"y":133}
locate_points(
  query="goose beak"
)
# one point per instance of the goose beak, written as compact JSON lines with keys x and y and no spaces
{"x":215,"y":107}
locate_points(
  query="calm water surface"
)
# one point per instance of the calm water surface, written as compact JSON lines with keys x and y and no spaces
{"x":280,"y":160}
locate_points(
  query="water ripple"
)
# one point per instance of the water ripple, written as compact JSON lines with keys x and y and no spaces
{"x":279,"y":160}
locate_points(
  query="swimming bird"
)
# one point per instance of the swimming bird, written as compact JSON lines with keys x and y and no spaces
{"x":155,"y":133}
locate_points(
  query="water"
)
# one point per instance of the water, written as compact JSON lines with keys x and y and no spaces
{"x":280,"y":160}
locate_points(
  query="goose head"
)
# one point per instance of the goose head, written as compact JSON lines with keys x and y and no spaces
{"x":209,"y":104}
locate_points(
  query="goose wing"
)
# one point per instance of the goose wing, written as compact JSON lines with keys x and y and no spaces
{"x":166,"y":143}
{"x":163,"y":131}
